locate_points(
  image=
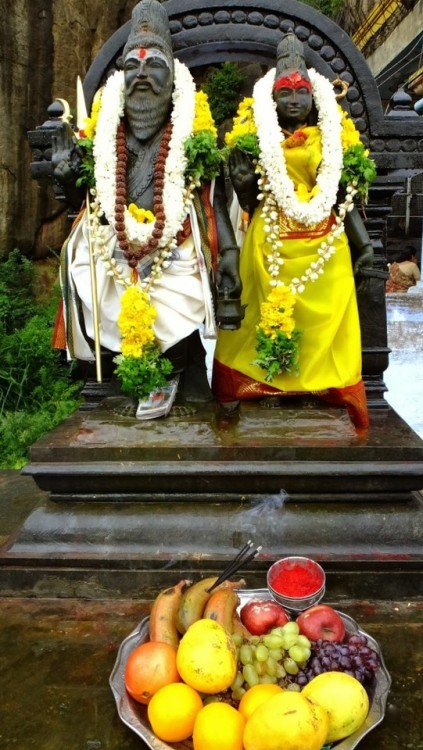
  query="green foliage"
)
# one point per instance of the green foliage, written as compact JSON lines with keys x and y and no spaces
{"x":36,"y":388}
{"x":279,"y":354}
{"x":329,"y":8}
{"x":222,"y":87}
{"x":359,"y":169}
{"x":249,"y":144}
{"x":141,"y":375}
{"x":204,"y":158}
{"x":16,"y":291}
{"x":86,"y":168}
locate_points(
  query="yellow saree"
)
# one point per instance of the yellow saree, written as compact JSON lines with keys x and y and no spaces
{"x":325,"y":312}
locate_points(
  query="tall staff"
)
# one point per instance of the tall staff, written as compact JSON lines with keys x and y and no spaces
{"x":81,"y":116}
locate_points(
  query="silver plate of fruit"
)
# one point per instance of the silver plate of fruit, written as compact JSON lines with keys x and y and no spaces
{"x":362,"y":652}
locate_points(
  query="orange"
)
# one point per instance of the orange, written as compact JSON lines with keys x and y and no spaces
{"x":218,"y":726}
{"x":289,"y":721}
{"x":255,"y":696}
{"x":149,"y":667}
{"x":172,"y":712}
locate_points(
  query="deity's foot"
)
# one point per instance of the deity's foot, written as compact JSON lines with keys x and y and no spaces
{"x":183,"y":410}
{"x":271,"y":402}
{"x":122,"y":406}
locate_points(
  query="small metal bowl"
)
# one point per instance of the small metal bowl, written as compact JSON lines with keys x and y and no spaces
{"x":286,"y":565}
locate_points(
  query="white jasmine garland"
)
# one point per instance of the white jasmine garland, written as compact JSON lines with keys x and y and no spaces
{"x":176,"y":197}
{"x":277,"y":188}
{"x":272,"y":158}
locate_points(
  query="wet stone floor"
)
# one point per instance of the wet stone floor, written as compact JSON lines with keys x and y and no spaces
{"x":57,"y":656}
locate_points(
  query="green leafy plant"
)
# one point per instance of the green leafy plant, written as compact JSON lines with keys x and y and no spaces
{"x":204,"y":158}
{"x":140,"y":376}
{"x":222,"y":87}
{"x":278,"y":354}
{"x":37,"y":389}
{"x":86,"y":168}
{"x":358,"y":168}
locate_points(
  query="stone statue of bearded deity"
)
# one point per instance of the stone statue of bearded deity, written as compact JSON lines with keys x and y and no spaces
{"x":150,"y":226}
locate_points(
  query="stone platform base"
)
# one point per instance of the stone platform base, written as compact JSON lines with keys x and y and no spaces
{"x":303,"y":449}
{"x":126,"y":503}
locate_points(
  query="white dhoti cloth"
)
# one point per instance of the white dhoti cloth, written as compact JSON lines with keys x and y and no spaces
{"x":181,"y":296}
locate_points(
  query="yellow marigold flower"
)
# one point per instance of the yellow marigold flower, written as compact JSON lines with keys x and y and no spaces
{"x":277,"y":312}
{"x":135,"y":321}
{"x":90,"y":123}
{"x":142,"y":215}
{"x":243,"y":123}
{"x":203,"y":119}
{"x":349,"y":134}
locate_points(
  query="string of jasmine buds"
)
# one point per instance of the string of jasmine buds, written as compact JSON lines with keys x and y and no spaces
{"x":270,"y":216}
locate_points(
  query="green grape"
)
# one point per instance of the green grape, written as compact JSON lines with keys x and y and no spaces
{"x":289,"y":640}
{"x":254,"y":639}
{"x":276,"y":653}
{"x":271,"y":666}
{"x":260,"y":667}
{"x":245,"y":654}
{"x":302,"y":640}
{"x":293,"y":687}
{"x":211,"y":699}
{"x":291,"y":627}
{"x":300,"y":654}
{"x":277,"y":631}
{"x":238,"y":681}
{"x":250,"y":675}
{"x":290,"y":666}
{"x":268,"y":679}
{"x":261,"y":652}
{"x":280,"y":672}
{"x":238,"y":693}
{"x":237,"y":639}
{"x":273,"y":641}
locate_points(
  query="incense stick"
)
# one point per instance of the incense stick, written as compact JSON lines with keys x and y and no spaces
{"x":244,"y":556}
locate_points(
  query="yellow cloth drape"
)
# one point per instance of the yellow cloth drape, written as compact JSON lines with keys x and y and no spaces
{"x":326,"y":312}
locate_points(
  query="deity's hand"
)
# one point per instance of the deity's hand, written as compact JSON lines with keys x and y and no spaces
{"x":227,"y":275}
{"x":364,"y":259}
{"x":66,"y":161}
{"x":244,"y":179}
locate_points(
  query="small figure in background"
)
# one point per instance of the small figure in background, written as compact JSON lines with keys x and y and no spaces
{"x":404,"y":272}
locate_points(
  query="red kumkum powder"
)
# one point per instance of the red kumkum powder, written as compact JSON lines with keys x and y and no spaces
{"x":297,"y":581}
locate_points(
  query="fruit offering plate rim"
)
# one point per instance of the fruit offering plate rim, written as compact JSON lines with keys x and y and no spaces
{"x":134,"y":715}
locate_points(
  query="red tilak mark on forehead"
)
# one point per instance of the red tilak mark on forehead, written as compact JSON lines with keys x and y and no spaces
{"x":142,"y":53}
{"x":293,"y":81}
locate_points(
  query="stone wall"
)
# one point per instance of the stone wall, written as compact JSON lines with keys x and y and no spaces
{"x":45,"y":45}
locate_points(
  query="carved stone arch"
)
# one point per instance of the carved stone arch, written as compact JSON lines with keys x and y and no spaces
{"x":206,"y":32}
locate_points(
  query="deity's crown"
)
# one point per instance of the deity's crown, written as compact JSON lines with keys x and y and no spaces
{"x":150,"y":28}
{"x":290,"y":55}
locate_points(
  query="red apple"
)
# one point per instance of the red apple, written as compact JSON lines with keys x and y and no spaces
{"x":261,"y":615}
{"x":321,"y":622}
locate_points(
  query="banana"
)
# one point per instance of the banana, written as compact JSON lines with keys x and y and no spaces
{"x":195,"y":599}
{"x":192,"y":603}
{"x":162,"y":626}
{"x":238,"y":627}
{"x":221,"y":607}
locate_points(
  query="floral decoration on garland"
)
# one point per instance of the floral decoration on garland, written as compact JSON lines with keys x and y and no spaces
{"x":345,"y":162}
{"x":140,"y":366}
{"x":188,"y":155}
{"x":278,"y":341}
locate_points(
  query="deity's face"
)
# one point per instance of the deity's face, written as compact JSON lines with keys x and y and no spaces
{"x":293,"y":98}
{"x":148,"y":91}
